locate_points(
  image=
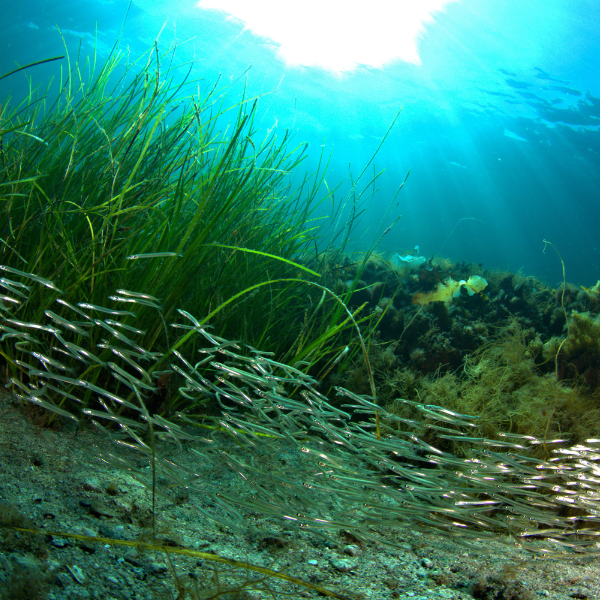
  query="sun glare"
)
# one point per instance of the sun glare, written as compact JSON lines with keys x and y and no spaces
{"x":336,"y":35}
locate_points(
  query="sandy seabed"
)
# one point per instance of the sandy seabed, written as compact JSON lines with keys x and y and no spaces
{"x":52,"y":480}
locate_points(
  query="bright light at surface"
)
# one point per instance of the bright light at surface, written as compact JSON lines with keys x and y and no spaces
{"x":336,"y":35}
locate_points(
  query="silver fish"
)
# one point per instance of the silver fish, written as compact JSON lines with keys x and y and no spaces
{"x":66,"y":323}
{"x":138,"y":295}
{"x":108,"y":311}
{"x":41,"y":280}
{"x":153,"y":255}
{"x":33,"y":326}
{"x":73,"y":308}
{"x":136,"y":301}
{"x":126,"y":327}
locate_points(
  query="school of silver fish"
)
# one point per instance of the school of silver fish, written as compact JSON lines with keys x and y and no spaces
{"x":343,"y":477}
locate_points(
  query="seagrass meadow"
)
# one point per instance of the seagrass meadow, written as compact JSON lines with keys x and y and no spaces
{"x":125,"y":182}
{"x":169,"y":282}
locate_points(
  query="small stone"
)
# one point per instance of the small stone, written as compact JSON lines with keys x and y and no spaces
{"x":99,"y":509}
{"x":91,"y":485}
{"x":313,"y":562}
{"x":427,"y":563}
{"x":77,"y":573}
{"x":156,"y":567}
{"x":352,"y":550}
{"x":133,"y":558}
{"x":343,"y":564}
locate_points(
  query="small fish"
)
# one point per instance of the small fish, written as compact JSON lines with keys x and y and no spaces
{"x":362,"y":400}
{"x":131,"y":362}
{"x":118,"y":313}
{"x":136,"y":301}
{"x":120,"y":419}
{"x":138,"y":295}
{"x":33,"y":326}
{"x":456,"y":164}
{"x":63,"y":393}
{"x":248,"y":401}
{"x":287,"y":368}
{"x":66,"y":323}
{"x":77,"y":352}
{"x":53,"y":408}
{"x":11,"y":285}
{"x":126,"y":327}
{"x":39,"y":139}
{"x":117,"y":334}
{"x":114,"y":397}
{"x":153,"y":255}
{"x":18,"y":334}
{"x":189,"y":366}
{"x":223,"y":350}
{"x":49,"y":361}
{"x":24,"y":365}
{"x":249,"y":377}
{"x":41,"y":280}
{"x":341,"y":355}
{"x":56,"y":377}
{"x":131,"y":378}
{"x":79,"y":312}
{"x":131,"y":382}
{"x":176,"y":432}
{"x":436,"y":414}
{"x":192,"y":384}
{"x":190,"y":317}
{"x":141,"y":353}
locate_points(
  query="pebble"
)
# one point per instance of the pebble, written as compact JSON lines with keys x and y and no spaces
{"x":427,"y":563}
{"x":352,"y":550}
{"x":342,"y":564}
{"x":77,"y":573}
{"x":156,"y":567}
{"x":133,"y":558}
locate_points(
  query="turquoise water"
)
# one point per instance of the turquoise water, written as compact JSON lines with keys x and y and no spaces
{"x":499,"y":122}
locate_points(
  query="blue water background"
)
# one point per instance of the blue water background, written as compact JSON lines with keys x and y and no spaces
{"x":499,"y":125}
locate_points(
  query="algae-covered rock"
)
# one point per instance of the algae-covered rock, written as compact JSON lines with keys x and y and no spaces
{"x":450,"y":289}
{"x":577,"y":357}
{"x":584,"y":333}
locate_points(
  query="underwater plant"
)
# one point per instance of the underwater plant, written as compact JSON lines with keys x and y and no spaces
{"x":143,"y":263}
{"x":136,"y":179}
{"x":350,"y":477}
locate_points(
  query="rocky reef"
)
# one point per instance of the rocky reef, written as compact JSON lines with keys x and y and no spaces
{"x":522,"y":356}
